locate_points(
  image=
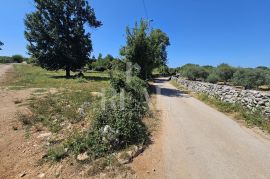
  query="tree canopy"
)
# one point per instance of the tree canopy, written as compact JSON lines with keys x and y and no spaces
{"x":1,"y":43}
{"x":250,"y":78}
{"x":56,"y":34}
{"x":145,"y":47}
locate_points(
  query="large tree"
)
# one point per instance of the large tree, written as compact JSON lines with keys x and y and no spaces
{"x":1,"y":43}
{"x":56,"y":33}
{"x":145,"y":47}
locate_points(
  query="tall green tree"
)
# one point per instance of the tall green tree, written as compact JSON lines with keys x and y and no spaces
{"x":145,"y":47}
{"x":1,"y":43}
{"x":56,"y":34}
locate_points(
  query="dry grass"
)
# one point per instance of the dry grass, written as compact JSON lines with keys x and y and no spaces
{"x":237,"y":111}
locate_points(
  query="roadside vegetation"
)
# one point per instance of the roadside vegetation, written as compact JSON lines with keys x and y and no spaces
{"x":252,"y":118}
{"x":237,"y":111}
{"x":92,"y":109}
{"x":249,"y":78}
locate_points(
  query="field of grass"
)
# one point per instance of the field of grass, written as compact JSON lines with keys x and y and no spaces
{"x":28,"y":76}
{"x":58,"y":109}
{"x":239,"y":112}
{"x":73,"y":113}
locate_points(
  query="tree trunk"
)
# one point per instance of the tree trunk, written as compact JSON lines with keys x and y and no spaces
{"x":67,"y":72}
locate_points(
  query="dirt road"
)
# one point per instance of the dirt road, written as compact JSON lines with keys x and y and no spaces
{"x":3,"y":69}
{"x":17,"y":153}
{"x":200,"y":142}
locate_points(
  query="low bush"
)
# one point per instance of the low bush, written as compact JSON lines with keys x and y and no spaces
{"x":117,"y":121}
{"x":225,"y":72}
{"x":17,"y":58}
{"x":250,"y":78}
{"x":212,"y":78}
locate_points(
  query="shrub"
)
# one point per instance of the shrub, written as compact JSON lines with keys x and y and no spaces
{"x":212,"y":78}
{"x":99,"y":68}
{"x":193,"y":72}
{"x":117,"y":123}
{"x":17,"y":58}
{"x":135,"y":86}
{"x":249,"y":78}
{"x":32,"y":61}
{"x":124,"y":117}
{"x":118,"y":81}
{"x":118,"y":65}
{"x":225,"y":72}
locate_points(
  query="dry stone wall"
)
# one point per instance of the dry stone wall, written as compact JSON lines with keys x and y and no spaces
{"x":249,"y":98}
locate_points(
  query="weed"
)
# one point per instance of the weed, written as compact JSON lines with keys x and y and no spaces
{"x":25,"y":119}
{"x":180,"y":87}
{"x":57,"y":153}
{"x":57,"y":108}
{"x":18,"y":101}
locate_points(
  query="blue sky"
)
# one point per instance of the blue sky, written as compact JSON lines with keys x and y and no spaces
{"x":201,"y":31}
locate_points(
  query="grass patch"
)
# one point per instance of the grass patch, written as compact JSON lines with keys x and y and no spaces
{"x":54,"y":110}
{"x":180,"y":87}
{"x":28,"y":76}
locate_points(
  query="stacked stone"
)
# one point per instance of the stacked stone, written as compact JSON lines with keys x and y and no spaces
{"x":252,"y":99}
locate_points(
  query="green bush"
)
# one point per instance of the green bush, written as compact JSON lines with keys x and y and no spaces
{"x":249,"y":78}
{"x":133,"y":85}
{"x":118,"y":81}
{"x":117,"y":123}
{"x":225,"y":72}
{"x":193,"y":72}
{"x":118,"y":65}
{"x":124,"y":117}
{"x":212,"y":78}
{"x":17,"y":58}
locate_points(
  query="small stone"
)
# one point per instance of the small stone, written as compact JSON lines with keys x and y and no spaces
{"x":44,"y":135}
{"x":22,"y":174}
{"x":98,"y":94}
{"x":82,"y":157}
{"x":124,"y":157}
{"x":42,"y":175}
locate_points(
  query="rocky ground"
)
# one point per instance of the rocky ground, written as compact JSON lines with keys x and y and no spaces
{"x":22,"y":149}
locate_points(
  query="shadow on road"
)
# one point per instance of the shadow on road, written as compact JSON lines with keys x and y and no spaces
{"x":165,"y":91}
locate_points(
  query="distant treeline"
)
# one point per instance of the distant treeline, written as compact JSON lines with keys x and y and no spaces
{"x":106,"y":63}
{"x":250,"y":78}
{"x":13,"y":59}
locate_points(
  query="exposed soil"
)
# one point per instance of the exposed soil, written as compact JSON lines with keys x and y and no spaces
{"x":22,"y":148}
